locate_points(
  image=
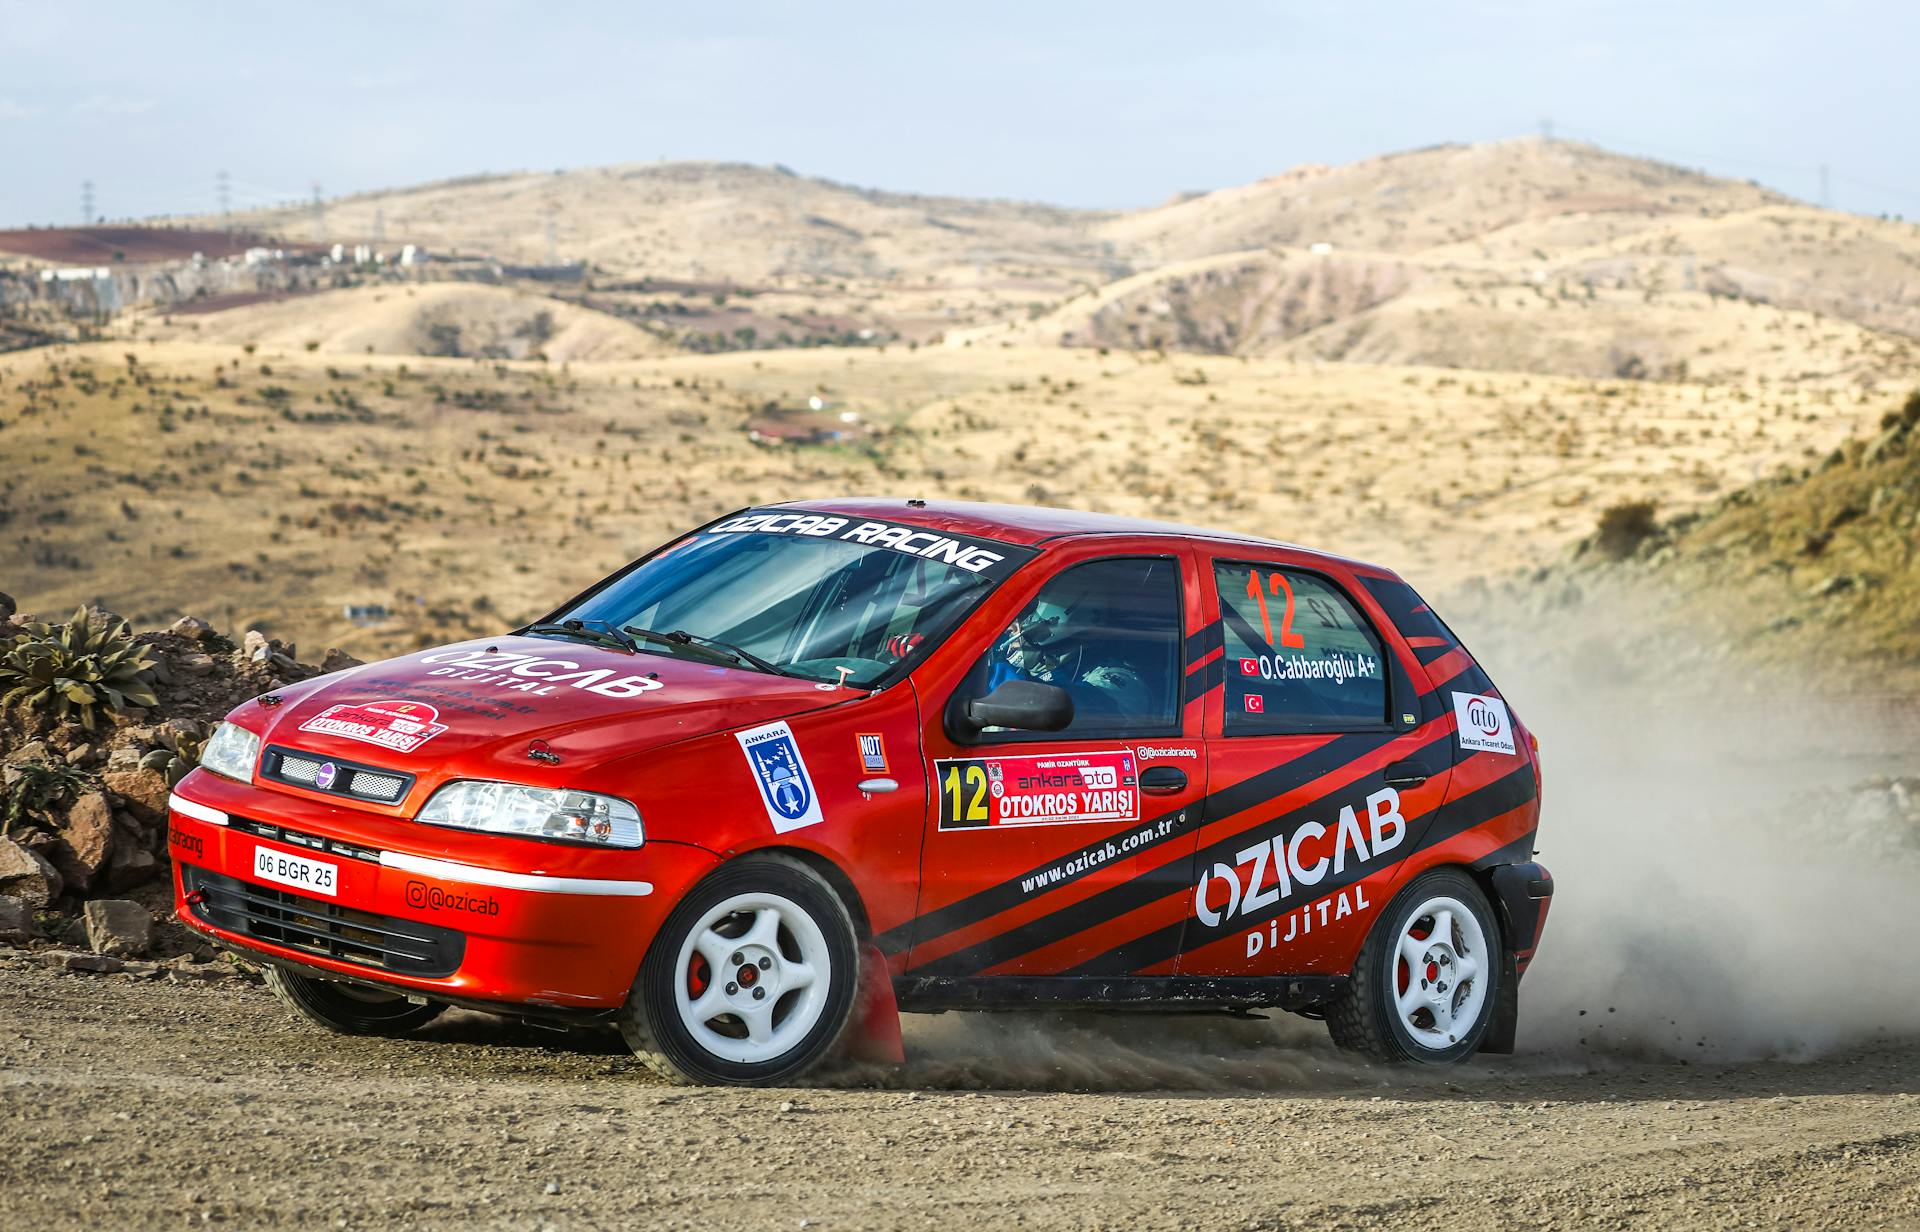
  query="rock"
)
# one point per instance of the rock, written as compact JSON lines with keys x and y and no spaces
{"x":88,"y":831}
{"x":1832,"y":586}
{"x":146,"y":790}
{"x":254,"y":646}
{"x":195,"y":664}
{"x":118,"y":927}
{"x":73,"y":960}
{"x":124,"y":758}
{"x":131,"y":866}
{"x":25,"y":874}
{"x":79,"y":753}
{"x":190,"y":627}
{"x":16,"y":920}
{"x":338,"y":660}
{"x":31,"y":751}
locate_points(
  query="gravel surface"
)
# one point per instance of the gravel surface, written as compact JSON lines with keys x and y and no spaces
{"x":128,"y":1103}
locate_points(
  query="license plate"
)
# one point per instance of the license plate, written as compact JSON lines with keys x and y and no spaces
{"x":313,"y":876}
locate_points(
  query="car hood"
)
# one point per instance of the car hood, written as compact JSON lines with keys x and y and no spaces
{"x":482,"y":703}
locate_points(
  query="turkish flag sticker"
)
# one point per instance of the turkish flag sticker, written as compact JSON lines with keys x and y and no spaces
{"x":1249,"y":667}
{"x":1256,"y":704}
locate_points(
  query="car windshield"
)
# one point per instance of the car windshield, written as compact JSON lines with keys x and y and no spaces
{"x":828,"y":598}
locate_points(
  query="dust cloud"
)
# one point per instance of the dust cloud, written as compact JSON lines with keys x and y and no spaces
{"x":1734,"y":854}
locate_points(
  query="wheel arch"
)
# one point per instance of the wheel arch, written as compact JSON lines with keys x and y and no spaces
{"x":829,"y":870}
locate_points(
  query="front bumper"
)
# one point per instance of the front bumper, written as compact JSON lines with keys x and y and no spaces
{"x":463,"y":916}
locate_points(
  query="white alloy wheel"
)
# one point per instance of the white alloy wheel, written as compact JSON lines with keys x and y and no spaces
{"x":752,"y":977}
{"x":1440,"y":981}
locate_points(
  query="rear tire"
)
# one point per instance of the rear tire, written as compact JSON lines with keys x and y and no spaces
{"x":751,"y":980}
{"x":349,"y":1009}
{"x":1427,"y":983}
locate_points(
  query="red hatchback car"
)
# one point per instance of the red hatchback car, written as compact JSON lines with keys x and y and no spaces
{"x":812,"y":760}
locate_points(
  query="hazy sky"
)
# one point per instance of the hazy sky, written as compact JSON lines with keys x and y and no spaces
{"x":1102,"y":104}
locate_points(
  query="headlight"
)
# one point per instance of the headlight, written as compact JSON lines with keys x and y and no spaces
{"x":535,"y":812}
{"x":231,"y":752}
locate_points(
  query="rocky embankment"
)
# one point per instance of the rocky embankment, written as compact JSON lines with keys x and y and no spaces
{"x":96,"y":725}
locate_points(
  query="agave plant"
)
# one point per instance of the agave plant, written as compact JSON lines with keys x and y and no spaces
{"x":38,"y":791}
{"x":179,"y":752}
{"x":74,"y":671}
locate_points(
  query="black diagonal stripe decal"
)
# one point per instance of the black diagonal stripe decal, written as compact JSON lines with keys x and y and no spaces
{"x":1204,"y":641}
{"x":1456,"y":817}
{"x":1126,"y":896}
{"x":990,"y":902}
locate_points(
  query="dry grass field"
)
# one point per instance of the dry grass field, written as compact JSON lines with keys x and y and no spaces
{"x":271,"y":488}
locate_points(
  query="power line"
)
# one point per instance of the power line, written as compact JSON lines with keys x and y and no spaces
{"x":1823,"y":171}
{"x":86,"y":203}
{"x":319,"y":215}
{"x":223,"y":188}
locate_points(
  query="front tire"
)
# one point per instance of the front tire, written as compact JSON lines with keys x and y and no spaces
{"x":349,"y":1009}
{"x":750,"y":981}
{"x":1426,"y":985}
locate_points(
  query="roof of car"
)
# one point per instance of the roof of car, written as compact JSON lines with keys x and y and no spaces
{"x":1030,"y":525}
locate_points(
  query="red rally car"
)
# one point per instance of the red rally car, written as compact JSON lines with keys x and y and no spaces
{"x":812,"y":761}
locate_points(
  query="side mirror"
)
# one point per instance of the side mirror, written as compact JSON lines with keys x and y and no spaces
{"x":1024,"y":705}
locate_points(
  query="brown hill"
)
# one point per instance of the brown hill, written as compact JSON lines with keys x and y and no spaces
{"x":456,"y":319}
{"x":1423,"y":199}
{"x":712,"y":222}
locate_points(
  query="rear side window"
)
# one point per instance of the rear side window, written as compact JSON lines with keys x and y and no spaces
{"x":1109,"y":633}
{"x":1299,"y":656}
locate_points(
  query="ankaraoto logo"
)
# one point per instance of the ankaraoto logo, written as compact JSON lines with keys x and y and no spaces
{"x":433,"y":898}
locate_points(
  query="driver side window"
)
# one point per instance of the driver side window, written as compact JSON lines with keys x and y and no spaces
{"x":1109,"y":633}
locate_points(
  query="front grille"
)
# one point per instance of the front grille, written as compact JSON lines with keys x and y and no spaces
{"x":334,"y":776}
{"x":404,"y":947}
{"x":296,"y":838}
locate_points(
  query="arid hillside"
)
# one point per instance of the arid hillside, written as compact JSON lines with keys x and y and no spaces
{"x":455,"y":319}
{"x":1446,"y":194}
{"x":1550,"y":257}
{"x":713,"y":222}
{"x":1453,"y":359}
{"x":1808,"y":579}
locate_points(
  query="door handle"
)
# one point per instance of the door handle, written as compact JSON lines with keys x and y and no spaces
{"x":1407,"y":774}
{"x":1161,"y":780}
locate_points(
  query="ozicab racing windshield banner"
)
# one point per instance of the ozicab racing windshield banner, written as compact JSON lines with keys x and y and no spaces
{"x":988,"y":558}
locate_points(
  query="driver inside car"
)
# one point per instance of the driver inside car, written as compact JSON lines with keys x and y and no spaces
{"x":1073,"y":639}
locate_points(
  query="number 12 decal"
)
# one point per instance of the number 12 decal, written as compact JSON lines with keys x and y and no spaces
{"x":1276,"y":584}
{"x":963,"y":795}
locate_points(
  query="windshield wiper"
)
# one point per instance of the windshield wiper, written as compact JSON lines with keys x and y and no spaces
{"x":712,"y":647}
{"x":603,"y":634}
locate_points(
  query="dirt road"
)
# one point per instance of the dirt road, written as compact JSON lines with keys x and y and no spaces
{"x":132,"y":1105}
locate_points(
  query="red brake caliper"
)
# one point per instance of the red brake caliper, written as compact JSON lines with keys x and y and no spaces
{"x":698,"y":974}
